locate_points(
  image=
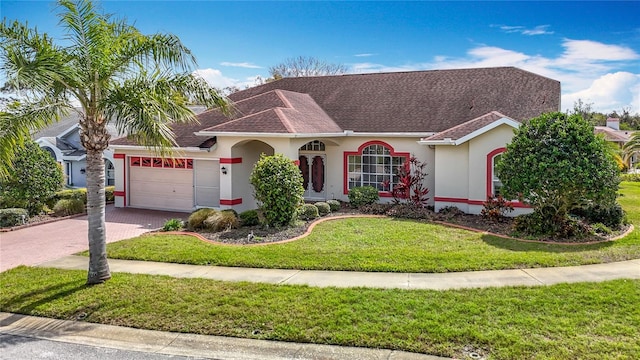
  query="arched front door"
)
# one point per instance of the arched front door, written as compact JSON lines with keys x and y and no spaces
{"x":312,"y":167}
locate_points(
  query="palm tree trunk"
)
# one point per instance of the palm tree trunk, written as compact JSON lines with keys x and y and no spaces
{"x":98,"y":265}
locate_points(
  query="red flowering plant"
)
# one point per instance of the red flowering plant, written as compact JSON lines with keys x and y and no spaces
{"x":496,"y":208}
{"x":410,"y":188}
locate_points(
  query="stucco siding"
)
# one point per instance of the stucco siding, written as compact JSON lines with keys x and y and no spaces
{"x":452,"y":171}
{"x":479,"y":148}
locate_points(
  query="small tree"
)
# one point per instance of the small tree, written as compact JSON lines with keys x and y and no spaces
{"x":34,"y":177}
{"x":410,"y":187}
{"x":557,"y":164}
{"x":277,"y":184}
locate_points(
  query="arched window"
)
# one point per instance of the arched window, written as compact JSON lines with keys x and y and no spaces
{"x":109,"y":173}
{"x":374,"y":164}
{"x":51,"y":152}
{"x":315,"y":145}
{"x":493,"y":182}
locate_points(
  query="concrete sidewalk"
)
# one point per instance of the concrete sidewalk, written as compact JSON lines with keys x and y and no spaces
{"x":409,"y":281}
{"x":201,"y":346}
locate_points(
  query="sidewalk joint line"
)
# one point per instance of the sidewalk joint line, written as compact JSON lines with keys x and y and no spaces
{"x":533,"y":277}
{"x":283,"y":281}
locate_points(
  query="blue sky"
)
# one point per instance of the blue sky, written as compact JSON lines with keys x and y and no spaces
{"x":593,"y":48}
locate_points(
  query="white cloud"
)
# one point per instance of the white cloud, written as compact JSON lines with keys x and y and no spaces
{"x":612,"y":91}
{"x":586,"y":69}
{"x":538,"y":30}
{"x":364,"y":55}
{"x":215,"y":78}
{"x":246,"y":65}
{"x":587,"y":50}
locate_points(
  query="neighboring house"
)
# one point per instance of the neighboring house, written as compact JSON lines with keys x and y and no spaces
{"x":344,"y":131}
{"x":612,"y":133}
{"x":62,"y":141}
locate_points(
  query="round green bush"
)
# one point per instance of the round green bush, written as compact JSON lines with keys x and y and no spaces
{"x":308,"y":212}
{"x":277,"y":184}
{"x":197,"y":218}
{"x":221,"y":221}
{"x":249,"y":218}
{"x":66,"y":207}
{"x":363,"y":195}
{"x":323,"y":208}
{"x":13,"y":216}
{"x":334,"y":205}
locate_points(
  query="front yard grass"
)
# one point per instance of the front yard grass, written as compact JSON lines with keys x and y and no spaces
{"x":385,"y":244}
{"x":567,"y":321}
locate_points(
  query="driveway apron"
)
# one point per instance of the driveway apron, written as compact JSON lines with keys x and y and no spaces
{"x":40,"y":243}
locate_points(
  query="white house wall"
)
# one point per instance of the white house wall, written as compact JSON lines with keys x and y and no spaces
{"x":452,"y":176}
{"x":461,"y":171}
{"x":238,"y":156}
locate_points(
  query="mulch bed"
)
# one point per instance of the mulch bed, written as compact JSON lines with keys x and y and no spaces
{"x":260,"y":235}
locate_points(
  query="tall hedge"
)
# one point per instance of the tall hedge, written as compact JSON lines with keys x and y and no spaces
{"x":277,"y":185}
{"x":557,"y":164}
{"x":34,"y":177}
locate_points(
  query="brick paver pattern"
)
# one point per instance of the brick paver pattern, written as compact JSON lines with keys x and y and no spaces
{"x":37,"y":244}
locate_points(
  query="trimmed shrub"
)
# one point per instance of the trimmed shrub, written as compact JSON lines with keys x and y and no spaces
{"x":221,"y":221}
{"x":410,"y":211}
{"x":308,"y":212}
{"x":334,"y":205}
{"x":172,"y":225}
{"x":108,"y":194}
{"x":277,"y":184}
{"x":375,"y":209}
{"x":66,"y":207}
{"x":12,"y":217}
{"x":33,"y":176}
{"x":72,"y":194}
{"x":635,"y":177}
{"x":363,"y":195}
{"x":323,"y":208}
{"x":249,"y":218}
{"x":612,"y":217}
{"x":197,"y":218}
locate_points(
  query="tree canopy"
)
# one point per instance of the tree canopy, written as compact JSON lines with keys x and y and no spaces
{"x":557,"y":164}
{"x":140,"y":83}
{"x":305,"y":66}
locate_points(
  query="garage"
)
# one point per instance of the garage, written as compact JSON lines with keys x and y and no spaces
{"x":163,"y":184}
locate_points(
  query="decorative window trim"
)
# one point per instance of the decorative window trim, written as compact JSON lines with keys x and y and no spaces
{"x":313,"y":146}
{"x":164,"y":163}
{"x":392,"y":154}
{"x":490,"y":167}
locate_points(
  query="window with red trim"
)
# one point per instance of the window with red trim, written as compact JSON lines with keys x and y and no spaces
{"x":375,"y":164}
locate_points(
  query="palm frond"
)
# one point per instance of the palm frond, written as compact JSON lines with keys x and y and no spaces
{"x":146,"y":106}
{"x":20,"y":120}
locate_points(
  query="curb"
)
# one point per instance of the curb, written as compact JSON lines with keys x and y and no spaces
{"x":14,"y":228}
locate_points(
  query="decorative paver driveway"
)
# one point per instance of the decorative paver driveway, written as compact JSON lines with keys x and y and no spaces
{"x":36,"y":244}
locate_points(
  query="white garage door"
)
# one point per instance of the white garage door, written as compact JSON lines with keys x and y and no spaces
{"x":161,"y":188}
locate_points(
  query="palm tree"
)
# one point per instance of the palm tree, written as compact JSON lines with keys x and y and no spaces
{"x":114,"y":73}
{"x":632,"y":146}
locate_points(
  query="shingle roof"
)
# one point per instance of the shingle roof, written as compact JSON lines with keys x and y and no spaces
{"x":467,"y":128}
{"x":612,"y":134}
{"x":284,"y":112}
{"x":400,"y":102}
{"x":422,"y":101}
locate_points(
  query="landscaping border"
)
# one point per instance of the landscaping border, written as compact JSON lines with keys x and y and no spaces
{"x":313,"y":224}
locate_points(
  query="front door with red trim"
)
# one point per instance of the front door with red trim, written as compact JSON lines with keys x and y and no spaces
{"x":312,"y":167}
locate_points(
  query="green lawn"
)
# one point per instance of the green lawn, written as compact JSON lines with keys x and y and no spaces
{"x":385,"y":244}
{"x":568,"y":321}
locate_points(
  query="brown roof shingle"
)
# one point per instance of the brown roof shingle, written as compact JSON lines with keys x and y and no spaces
{"x":464,"y":129}
{"x":400,"y":102}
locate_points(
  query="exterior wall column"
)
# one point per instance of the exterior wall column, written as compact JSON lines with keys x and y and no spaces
{"x":120,"y":167}
{"x":227,"y":165}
